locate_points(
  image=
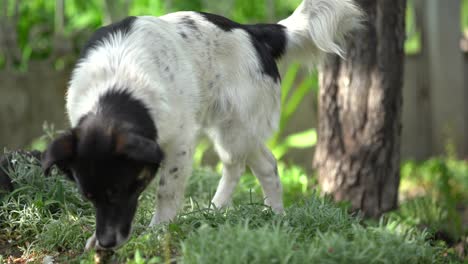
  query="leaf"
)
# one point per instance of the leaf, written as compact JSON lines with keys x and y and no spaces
{"x":200,"y":151}
{"x":305,"y":139}
{"x":298,"y":96}
{"x":138,"y":257}
{"x":288,"y":81}
{"x":301,"y":140}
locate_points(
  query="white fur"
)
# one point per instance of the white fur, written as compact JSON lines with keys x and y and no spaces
{"x":213,"y":86}
{"x":319,"y":26}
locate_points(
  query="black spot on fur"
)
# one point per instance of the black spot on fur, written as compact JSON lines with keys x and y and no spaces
{"x":211,"y":85}
{"x":273,"y":36}
{"x":173,"y":170}
{"x":119,"y":105}
{"x":269,"y":40}
{"x":190,"y":23}
{"x":183,"y":153}
{"x":183,"y":35}
{"x":105,"y":32}
{"x":222,"y":22}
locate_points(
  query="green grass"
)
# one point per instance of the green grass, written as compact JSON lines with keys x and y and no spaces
{"x":46,"y":216}
{"x":435,"y":197}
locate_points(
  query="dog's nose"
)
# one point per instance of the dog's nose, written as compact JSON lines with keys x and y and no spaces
{"x":107,"y":241}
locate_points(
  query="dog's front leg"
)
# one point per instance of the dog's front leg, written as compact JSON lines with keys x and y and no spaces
{"x":177,"y":167}
{"x":91,"y":242}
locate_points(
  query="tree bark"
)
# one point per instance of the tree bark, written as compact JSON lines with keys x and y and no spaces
{"x":358,"y":151}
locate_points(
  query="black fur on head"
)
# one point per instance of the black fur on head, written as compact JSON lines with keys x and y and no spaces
{"x":112,"y":155}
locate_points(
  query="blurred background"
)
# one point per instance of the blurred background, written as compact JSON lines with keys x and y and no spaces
{"x":40,"y":41}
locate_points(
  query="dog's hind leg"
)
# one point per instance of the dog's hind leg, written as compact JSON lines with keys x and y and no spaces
{"x":263,"y":164}
{"x":231,"y":147}
{"x":231,"y":174}
{"x":175,"y":170}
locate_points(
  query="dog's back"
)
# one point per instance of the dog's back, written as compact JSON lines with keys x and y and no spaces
{"x":187,"y":67}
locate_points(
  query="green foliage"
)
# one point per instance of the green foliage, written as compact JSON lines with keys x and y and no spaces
{"x":41,"y":142}
{"x":301,"y":140}
{"x":239,"y":244}
{"x":147,"y":7}
{"x":434,"y":191}
{"x":320,"y":234}
{"x":377,"y":244}
{"x":47,"y":216}
{"x":413,"y":42}
{"x":464,"y":16}
{"x":83,"y":15}
{"x":34,"y":15}
{"x":35,"y":28}
{"x":45,"y":212}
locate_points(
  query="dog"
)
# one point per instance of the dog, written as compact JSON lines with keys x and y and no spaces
{"x":146,"y":88}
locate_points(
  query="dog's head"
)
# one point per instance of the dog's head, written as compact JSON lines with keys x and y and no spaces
{"x":111,"y":167}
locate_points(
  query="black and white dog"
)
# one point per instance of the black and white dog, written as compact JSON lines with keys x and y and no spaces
{"x":146,"y":88}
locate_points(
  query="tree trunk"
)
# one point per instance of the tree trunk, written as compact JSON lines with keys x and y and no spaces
{"x":358,"y":151}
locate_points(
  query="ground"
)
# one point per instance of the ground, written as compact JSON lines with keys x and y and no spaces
{"x":45,"y":217}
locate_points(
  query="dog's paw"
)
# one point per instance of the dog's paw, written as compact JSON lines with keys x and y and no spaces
{"x":91,"y":243}
{"x":279,"y":210}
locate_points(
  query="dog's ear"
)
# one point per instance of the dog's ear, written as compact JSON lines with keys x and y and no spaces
{"x":138,"y":148}
{"x":60,"y":152}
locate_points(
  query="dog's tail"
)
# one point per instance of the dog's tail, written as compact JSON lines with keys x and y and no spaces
{"x":319,"y":26}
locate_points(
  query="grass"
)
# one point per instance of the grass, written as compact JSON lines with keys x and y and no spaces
{"x":435,"y":198}
{"x":45,"y":216}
